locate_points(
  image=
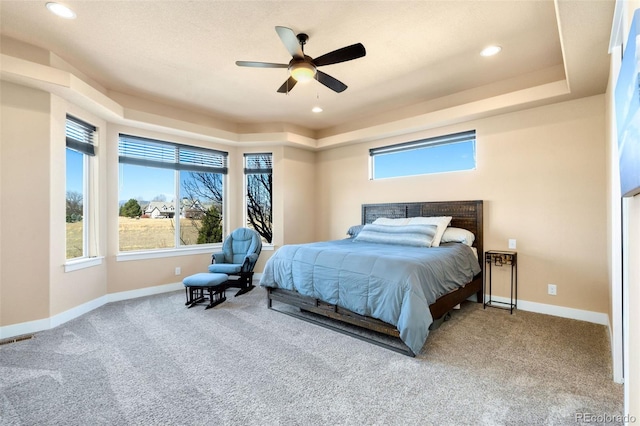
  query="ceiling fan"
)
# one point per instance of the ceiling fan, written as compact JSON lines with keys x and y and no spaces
{"x":304,"y":68}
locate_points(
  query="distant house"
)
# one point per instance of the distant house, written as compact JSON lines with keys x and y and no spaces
{"x":192,"y":209}
{"x":160,"y":210}
{"x":189,"y":209}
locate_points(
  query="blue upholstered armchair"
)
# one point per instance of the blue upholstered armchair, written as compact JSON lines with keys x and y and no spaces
{"x":240,"y":251}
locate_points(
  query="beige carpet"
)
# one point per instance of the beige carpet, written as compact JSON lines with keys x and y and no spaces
{"x":151,"y":361}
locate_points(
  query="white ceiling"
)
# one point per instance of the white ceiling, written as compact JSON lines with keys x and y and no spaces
{"x":419,"y":53}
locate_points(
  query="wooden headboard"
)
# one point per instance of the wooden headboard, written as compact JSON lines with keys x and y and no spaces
{"x":465,"y":214}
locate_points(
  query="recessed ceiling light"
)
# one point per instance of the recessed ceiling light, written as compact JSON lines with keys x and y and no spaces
{"x":490,"y":50}
{"x":61,"y":10}
{"x":316,"y":109}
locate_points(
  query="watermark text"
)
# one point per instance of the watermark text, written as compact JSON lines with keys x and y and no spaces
{"x":604,"y":418}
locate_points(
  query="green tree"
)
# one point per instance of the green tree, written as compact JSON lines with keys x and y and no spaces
{"x":211,"y":227}
{"x":131,"y":209}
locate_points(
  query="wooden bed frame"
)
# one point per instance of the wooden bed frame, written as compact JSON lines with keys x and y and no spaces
{"x":465,"y":214}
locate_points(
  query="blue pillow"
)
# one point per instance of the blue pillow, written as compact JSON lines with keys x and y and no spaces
{"x":354,"y":230}
{"x":407,"y":235}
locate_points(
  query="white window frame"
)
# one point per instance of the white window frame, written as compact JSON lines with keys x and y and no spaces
{"x":245,"y":189}
{"x":142,"y":157}
{"x":81,"y":137}
{"x":439,"y":141}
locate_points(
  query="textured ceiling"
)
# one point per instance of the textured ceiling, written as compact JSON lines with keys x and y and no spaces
{"x":183,"y":53}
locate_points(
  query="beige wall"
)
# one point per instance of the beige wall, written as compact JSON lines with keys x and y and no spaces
{"x":24,"y":146}
{"x":541,"y":173}
{"x":298,"y":193}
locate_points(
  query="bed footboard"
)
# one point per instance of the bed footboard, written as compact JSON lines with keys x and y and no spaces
{"x":445,"y":303}
{"x":335,"y":312}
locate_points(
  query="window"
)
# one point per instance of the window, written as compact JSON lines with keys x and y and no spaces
{"x":171,"y":195}
{"x":80,"y":149}
{"x":435,"y":155}
{"x":258,"y":170}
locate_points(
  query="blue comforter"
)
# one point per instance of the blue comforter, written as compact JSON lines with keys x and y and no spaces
{"x":393,"y":283}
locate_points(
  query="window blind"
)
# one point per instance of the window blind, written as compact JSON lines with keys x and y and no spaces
{"x":153,"y":153}
{"x":423,"y":143}
{"x":80,"y":136}
{"x":258,"y":163}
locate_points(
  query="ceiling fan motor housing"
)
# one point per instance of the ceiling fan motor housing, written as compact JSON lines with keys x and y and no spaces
{"x":302,"y":39}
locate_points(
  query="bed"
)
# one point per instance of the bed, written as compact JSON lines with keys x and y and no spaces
{"x":397,"y":290}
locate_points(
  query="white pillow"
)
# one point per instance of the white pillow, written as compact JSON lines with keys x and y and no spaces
{"x":458,"y":235}
{"x":391,"y":222}
{"x":440,"y":221}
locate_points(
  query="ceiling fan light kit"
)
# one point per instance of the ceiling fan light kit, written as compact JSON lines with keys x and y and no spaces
{"x":303,"y":68}
{"x":302,"y":71}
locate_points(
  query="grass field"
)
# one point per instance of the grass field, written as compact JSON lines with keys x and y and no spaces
{"x":74,"y":240}
{"x":138,"y":234}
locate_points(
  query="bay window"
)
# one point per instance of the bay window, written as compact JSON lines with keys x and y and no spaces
{"x":171,"y":195}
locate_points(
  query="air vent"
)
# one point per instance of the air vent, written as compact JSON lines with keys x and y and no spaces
{"x":16,"y":339}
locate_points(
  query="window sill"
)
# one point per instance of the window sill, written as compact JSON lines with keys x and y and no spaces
{"x":158,"y":254}
{"x":87,"y":262}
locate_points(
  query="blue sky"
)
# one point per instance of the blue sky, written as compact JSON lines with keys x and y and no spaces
{"x":435,"y":159}
{"x":74,"y":171}
{"x":145,"y":183}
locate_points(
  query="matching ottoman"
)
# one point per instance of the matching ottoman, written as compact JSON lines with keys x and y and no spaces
{"x":213,"y":283}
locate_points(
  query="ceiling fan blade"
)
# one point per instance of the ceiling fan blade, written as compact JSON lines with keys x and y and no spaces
{"x":290,"y":41}
{"x":330,"y":82}
{"x":288,"y":85}
{"x":348,"y":53}
{"x":260,"y":64}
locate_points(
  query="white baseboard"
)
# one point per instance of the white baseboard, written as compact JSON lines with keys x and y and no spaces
{"x":23,"y":328}
{"x":147,"y":291}
{"x":73,"y":313}
{"x":558,"y":311}
{"x":31,"y":327}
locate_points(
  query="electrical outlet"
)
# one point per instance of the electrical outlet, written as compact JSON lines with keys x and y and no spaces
{"x":512,"y":244}
{"x":178,"y":270}
{"x":552,"y":290}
